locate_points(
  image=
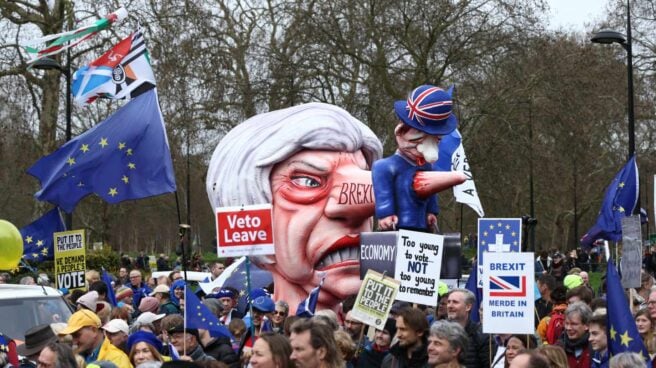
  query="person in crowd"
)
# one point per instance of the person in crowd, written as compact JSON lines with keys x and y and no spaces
{"x":101,"y":288}
{"x":88,"y":301}
{"x":559,"y":267}
{"x":27,"y":280}
{"x":373,"y":354}
{"x":144,"y":347}
{"x":84,"y":327}
{"x":554,"y":354}
{"x":355,"y":329}
{"x":277,"y":154}
{"x":226,"y":297}
{"x":542,"y":264}
{"x":627,"y":359}
{"x":327,"y":316}
{"x":459,"y":305}
{"x":104,"y":311}
{"x":8,"y":353}
{"x":117,"y":331}
{"x":149,"y":304}
{"x":345,"y":347}
{"x":313,"y":345}
{"x":515,"y":344}
{"x":139,"y":288}
{"x":123,"y":276}
{"x":447,"y":343}
{"x":598,"y":306}
{"x":262,"y":307}
{"x":651,"y":305}
{"x":237,"y":328}
{"x":123,"y":312}
{"x":166,"y":306}
{"x":412,"y":336}
{"x":219,"y":348}
{"x":575,"y":341}
{"x":543,"y":305}
{"x":163,"y":262}
{"x":529,"y":359}
{"x":91,"y":276}
{"x":579,"y":293}
{"x":646,"y":326}
{"x":272,"y":350}
{"x":187,"y":343}
{"x":36,"y":339}
{"x":56,"y":355}
{"x":552,"y":326}
{"x":278,"y":316}
{"x":124,"y":295}
{"x":176,"y":292}
{"x":598,"y":341}
{"x":142,"y":261}
{"x":153,"y":322}
{"x":216,"y":269}
{"x":642,"y":293}
{"x":126,"y":261}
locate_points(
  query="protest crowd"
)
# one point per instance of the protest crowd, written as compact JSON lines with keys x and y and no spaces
{"x":149,"y":327}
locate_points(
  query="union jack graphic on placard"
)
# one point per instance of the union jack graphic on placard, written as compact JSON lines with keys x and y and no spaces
{"x":513,"y":286}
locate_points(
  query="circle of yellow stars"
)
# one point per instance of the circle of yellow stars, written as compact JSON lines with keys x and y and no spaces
{"x":500,"y":225}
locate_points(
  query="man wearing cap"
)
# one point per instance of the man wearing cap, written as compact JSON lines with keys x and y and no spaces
{"x":117,"y":331}
{"x":227,"y":298}
{"x":187,"y":343}
{"x":373,"y":354}
{"x":166,"y":306}
{"x":84,"y":327}
{"x":262,"y":307}
{"x":36,"y":338}
{"x":149,"y":318}
{"x":423,"y":119}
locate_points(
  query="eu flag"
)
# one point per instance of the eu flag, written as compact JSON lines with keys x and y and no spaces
{"x":125,"y":157}
{"x":38,"y":237}
{"x":111,"y":297}
{"x":620,"y":200}
{"x":472,"y":285}
{"x":197,"y":315}
{"x":623,"y":334}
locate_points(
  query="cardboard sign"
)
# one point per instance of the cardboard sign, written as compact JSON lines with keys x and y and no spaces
{"x":244,"y":231}
{"x":631,"y":261}
{"x":375,"y":299}
{"x":418,"y":263}
{"x":497,"y":235}
{"x":70,"y":259}
{"x":508,"y":293}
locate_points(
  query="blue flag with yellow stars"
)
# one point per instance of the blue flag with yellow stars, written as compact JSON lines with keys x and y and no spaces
{"x":622,"y":331}
{"x":620,"y":200}
{"x":38,"y":243}
{"x":497,"y":235}
{"x":197,"y":315}
{"x":124,"y":157}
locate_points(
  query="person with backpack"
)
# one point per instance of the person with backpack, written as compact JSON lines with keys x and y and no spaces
{"x":552,"y":326}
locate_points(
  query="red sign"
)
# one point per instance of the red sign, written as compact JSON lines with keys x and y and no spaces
{"x":244,"y":226}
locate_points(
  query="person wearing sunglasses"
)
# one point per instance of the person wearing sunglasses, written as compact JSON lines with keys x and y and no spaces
{"x":278,"y":316}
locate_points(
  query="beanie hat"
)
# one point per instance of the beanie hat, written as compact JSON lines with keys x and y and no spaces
{"x":123,"y":292}
{"x":89,"y":300}
{"x":390,"y":326}
{"x":572,"y":281}
{"x":149,"y":304}
{"x":144,"y":336}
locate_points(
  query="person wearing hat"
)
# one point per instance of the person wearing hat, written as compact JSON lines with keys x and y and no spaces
{"x":117,"y":331}
{"x":424,"y":117}
{"x":144,"y":347}
{"x":166,"y":306}
{"x":263,"y":306}
{"x":84,"y":327}
{"x":559,"y":267}
{"x":36,"y":338}
{"x":373,"y":354}
{"x":227,"y":298}
{"x":187,"y":343}
{"x":149,"y":304}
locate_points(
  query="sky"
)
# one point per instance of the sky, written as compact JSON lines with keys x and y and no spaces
{"x":572,"y":14}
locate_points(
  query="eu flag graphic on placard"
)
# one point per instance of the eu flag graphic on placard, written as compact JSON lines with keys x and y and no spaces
{"x":512,"y":286}
{"x":38,"y":236}
{"x":497,"y":235}
{"x":125,"y":157}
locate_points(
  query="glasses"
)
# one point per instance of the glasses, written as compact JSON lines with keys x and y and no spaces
{"x":134,"y":277}
{"x":280,"y":313}
{"x":352,"y":322}
{"x":651,"y":302}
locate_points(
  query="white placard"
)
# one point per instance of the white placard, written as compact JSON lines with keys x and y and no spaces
{"x":508,"y":293}
{"x":418,"y":263}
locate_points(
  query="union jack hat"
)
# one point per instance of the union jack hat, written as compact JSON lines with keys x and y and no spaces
{"x":428,"y":109}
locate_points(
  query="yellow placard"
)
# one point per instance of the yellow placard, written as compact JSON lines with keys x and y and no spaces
{"x":70,"y":259}
{"x":375,"y":299}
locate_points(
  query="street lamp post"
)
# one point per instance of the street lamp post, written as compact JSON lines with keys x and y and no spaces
{"x":52,"y":64}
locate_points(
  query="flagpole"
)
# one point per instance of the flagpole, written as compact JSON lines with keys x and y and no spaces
{"x":184,"y":324}
{"x":248,"y":291}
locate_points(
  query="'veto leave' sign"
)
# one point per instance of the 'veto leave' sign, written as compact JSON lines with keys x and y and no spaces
{"x":244,"y":231}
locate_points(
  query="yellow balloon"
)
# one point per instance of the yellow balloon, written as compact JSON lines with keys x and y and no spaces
{"x":11,"y":246}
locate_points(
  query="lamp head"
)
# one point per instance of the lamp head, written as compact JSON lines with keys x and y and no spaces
{"x":46,"y":63}
{"x":607,"y":36}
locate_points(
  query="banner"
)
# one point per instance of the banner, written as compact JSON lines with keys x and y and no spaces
{"x":497,"y":235}
{"x":508,"y":293}
{"x":418,"y":263}
{"x":631,"y":260}
{"x":244,"y":231}
{"x":375,"y":299}
{"x":70,"y":259}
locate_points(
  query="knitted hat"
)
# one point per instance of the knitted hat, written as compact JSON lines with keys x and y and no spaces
{"x":149,"y":304}
{"x":144,"y":336}
{"x":572,"y":281}
{"x":89,"y":300}
{"x":123,"y":292}
{"x":390,"y":326}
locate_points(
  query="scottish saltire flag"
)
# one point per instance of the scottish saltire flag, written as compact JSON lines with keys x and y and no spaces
{"x":451,"y":157}
{"x":472,"y":285}
{"x":511,"y":286}
{"x":122,"y":72}
{"x":111,"y":297}
{"x":197,"y":315}
{"x":308,"y":306}
{"x":497,"y":235}
{"x":55,"y":43}
{"x":620,"y":200}
{"x":622,"y":331}
{"x":38,"y":243}
{"x":124,"y":157}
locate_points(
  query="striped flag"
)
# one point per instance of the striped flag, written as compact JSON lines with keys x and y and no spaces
{"x":122,"y":72}
{"x":55,"y":43}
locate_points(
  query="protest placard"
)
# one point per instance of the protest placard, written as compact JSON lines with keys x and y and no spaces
{"x":508,"y":293}
{"x":497,"y":235}
{"x":377,"y":252}
{"x":631,"y":261}
{"x":70,"y":259}
{"x":375,"y":299}
{"x":244,"y":231}
{"x":418,"y":263}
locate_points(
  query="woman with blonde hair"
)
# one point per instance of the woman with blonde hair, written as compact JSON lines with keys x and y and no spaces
{"x":271,"y":350}
{"x":554,"y":354}
{"x":646,"y":326}
{"x":143,"y":347}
